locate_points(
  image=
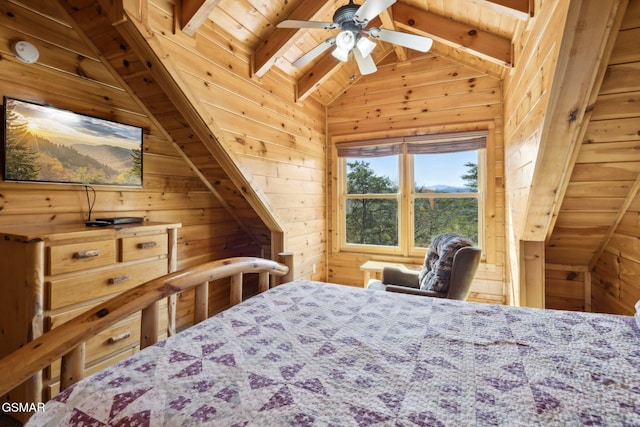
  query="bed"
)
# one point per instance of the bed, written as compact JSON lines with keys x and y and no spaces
{"x":309,"y":353}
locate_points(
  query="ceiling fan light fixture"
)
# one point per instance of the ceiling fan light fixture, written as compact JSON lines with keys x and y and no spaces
{"x":345,"y":40}
{"x":341,"y":54}
{"x":365,"y":46}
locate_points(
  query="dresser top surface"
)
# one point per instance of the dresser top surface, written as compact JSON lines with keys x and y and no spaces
{"x":50,"y":232}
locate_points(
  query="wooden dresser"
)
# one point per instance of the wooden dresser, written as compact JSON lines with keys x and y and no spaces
{"x":50,"y":274}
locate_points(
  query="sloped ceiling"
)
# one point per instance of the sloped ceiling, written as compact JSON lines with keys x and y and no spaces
{"x":602,"y":195}
{"x":476,"y":33}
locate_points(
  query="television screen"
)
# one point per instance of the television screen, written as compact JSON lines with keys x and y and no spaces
{"x":47,"y":144}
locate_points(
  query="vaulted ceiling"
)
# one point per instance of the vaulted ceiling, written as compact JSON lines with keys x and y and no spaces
{"x":476,"y":33}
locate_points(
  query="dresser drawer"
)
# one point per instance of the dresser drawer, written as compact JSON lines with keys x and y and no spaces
{"x":80,"y":256}
{"x":138,"y":247}
{"x":52,"y":389}
{"x":121,"y":336}
{"x":54,"y":320}
{"x":71,"y":290}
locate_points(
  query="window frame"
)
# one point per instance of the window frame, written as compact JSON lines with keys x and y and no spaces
{"x":479,"y":195}
{"x":398,"y":196}
{"x":405,"y":197}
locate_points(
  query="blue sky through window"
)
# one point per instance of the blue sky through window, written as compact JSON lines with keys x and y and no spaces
{"x":430,"y":169}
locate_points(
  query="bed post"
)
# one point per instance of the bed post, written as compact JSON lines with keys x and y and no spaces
{"x":287,"y":259}
{"x":235,"y":291}
{"x":263,"y":281}
{"x":149,"y":325}
{"x":201,"y":309}
{"x":72,"y":367}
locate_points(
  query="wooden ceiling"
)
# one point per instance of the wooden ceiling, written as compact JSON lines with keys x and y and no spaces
{"x":601,"y":202}
{"x":476,"y":33}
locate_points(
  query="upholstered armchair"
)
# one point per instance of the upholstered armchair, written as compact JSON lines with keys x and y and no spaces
{"x":453,"y":276}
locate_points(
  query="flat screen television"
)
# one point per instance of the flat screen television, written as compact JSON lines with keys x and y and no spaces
{"x":44,"y":144}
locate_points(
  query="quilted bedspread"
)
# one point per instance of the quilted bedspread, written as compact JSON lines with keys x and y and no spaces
{"x":318,"y":354}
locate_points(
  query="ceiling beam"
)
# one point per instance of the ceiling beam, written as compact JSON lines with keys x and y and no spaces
{"x":318,"y":73}
{"x":193,"y":13}
{"x":521,"y":9}
{"x":387,"y":22}
{"x":491,"y":46}
{"x":277,"y":42}
{"x":328,"y":65}
{"x":582,"y":60}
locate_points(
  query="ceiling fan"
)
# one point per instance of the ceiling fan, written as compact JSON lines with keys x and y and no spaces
{"x":352,"y":19}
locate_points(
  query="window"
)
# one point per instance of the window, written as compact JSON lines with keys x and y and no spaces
{"x":372,"y":203}
{"x":397,"y":195}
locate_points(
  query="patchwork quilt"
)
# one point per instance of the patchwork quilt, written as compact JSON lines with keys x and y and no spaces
{"x":317,"y":354}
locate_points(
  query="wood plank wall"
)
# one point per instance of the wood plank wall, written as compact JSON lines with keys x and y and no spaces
{"x":526,"y":90}
{"x":278,"y":144}
{"x":616,"y":124}
{"x":443,"y":96}
{"x":71,"y":75}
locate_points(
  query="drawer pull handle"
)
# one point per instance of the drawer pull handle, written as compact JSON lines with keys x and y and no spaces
{"x":119,"y":279}
{"x":123,"y":336}
{"x":89,"y":253}
{"x":147,"y":245}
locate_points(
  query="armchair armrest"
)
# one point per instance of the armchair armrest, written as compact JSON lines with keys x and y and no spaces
{"x":396,"y":276}
{"x":413,"y":291}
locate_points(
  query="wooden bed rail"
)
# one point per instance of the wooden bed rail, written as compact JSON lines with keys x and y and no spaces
{"x":68,"y":340}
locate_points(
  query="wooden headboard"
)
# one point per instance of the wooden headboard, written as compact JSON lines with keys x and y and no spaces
{"x":68,"y":340}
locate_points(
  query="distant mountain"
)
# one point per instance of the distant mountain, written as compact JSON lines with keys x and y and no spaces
{"x":117,"y":158}
{"x":440,"y":188}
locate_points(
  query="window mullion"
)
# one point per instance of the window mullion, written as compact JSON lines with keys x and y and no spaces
{"x":406,"y":191}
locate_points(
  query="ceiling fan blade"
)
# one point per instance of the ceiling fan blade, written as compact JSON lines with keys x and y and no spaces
{"x":370,"y":9}
{"x":314,"y":53}
{"x":412,"y":41}
{"x":365,"y":63}
{"x":292,"y":23}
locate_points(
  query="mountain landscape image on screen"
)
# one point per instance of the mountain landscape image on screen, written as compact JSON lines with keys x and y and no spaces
{"x":73,"y":149}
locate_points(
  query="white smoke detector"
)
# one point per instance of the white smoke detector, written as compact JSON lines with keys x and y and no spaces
{"x":25,"y":51}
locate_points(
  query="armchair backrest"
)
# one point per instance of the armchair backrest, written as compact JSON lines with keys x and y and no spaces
{"x":463,"y":269}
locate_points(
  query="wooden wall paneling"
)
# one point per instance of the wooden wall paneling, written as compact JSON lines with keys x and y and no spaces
{"x":621,"y":76}
{"x":490,"y":201}
{"x":532,"y":280}
{"x":159,"y":102}
{"x":70,"y":75}
{"x":609,"y":152}
{"x":527,"y":82}
{"x":603,"y":301}
{"x":252,"y":114}
{"x":565,"y":287}
{"x":616,"y":106}
{"x":378,"y":94}
{"x":630,"y":223}
{"x":628,"y":42}
{"x":83,"y":95}
{"x":608,"y":167}
{"x":366,"y":127}
{"x":624,"y":171}
{"x":551,"y":163}
{"x":405,"y":106}
{"x":584,"y":152}
{"x":229,"y":90}
{"x":614,"y":129}
{"x":392,"y":102}
{"x":51,"y":28}
{"x":267,"y":137}
{"x":610,"y":292}
{"x":216,"y":42}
